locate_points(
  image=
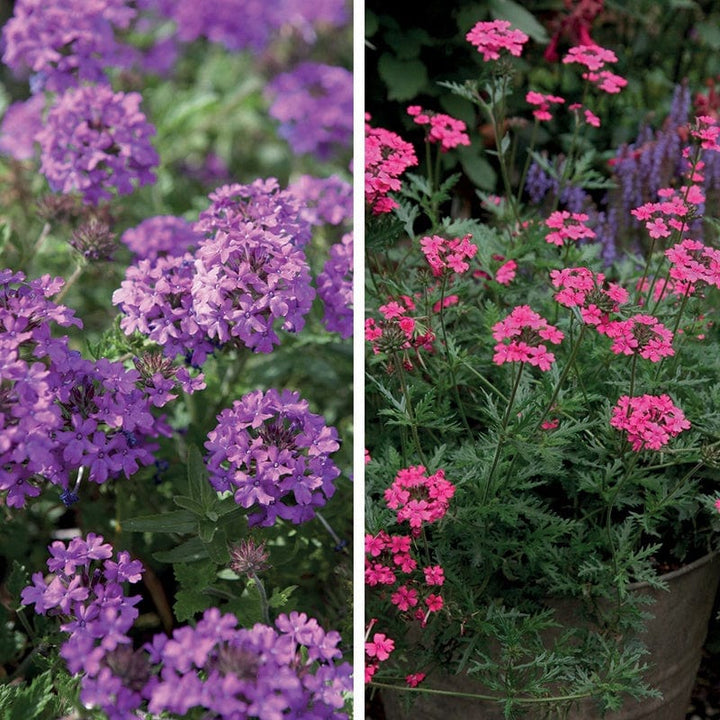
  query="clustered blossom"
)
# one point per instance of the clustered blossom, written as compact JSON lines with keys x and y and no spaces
{"x":155,"y":299}
{"x":491,"y":37}
{"x":588,"y":291}
{"x":543,"y":103}
{"x":590,"y":117}
{"x":671,"y":212}
{"x":274,"y":455}
{"x":387,"y":156}
{"x":567,"y":226}
{"x":335,"y":288}
{"x":525,"y":332}
{"x":20,"y":124}
{"x":641,"y":334}
{"x":85,"y":587}
{"x":66,"y":43}
{"x":593,"y":57}
{"x":707,"y":130}
{"x":443,"y":129}
{"x":649,"y":420}
{"x":694,"y":263}
{"x":606,"y":81}
{"x":323,"y":200}
{"x":250,"y":270}
{"x":313,"y":104}
{"x":260,"y":672}
{"x":448,"y":255}
{"x":94,"y":140}
{"x":60,"y":414}
{"x":419,"y":498}
{"x":160,"y":235}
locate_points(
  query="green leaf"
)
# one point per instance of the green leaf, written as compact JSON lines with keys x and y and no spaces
{"x":280,"y":598}
{"x":189,"y":551}
{"x":17,"y":580}
{"x":195,"y":575}
{"x":176,"y":521}
{"x":189,"y":503}
{"x":190,"y":602}
{"x":199,"y":486}
{"x":519,"y":18}
{"x":25,"y":702}
{"x":404,"y":78}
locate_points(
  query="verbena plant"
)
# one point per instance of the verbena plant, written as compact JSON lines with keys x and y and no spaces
{"x":175,"y":360}
{"x":542,"y":423}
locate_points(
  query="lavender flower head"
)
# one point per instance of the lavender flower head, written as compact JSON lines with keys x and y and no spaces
{"x":335,"y":288}
{"x":66,"y":43}
{"x":326,"y":200}
{"x":274,"y":455}
{"x":95,"y":139}
{"x":155,"y":299}
{"x":260,"y":672}
{"x":64,"y":418}
{"x":161,"y":235}
{"x":250,"y":272}
{"x":314,"y":105}
{"x":21,"y":122}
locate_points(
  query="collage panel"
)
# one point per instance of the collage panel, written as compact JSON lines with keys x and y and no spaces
{"x":541,"y":399}
{"x":176,"y":359}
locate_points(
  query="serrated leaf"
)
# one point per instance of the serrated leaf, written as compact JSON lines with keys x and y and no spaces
{"x":190,"y":602}
{"x":25,"y":702}
{"x":17,"y":580}
{"x":189,"y":503}
{"x":189,"y":551}
{"x":280,"y":598}
{"x":404,"y":78}
{"x":176,"y":521}
{"x":195,"y":575}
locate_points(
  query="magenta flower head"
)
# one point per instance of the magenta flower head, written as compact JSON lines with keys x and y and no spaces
{"x":274,"y":455}
{"x":649,"y":420}
{"x":95,"y":140}
{"x":66,"y":43}
{"x":491,"y":37}
{"x":161,"y":235}
{"x":20,"y":125}
{"x":520,"y":338}
{"x":313,"y":104}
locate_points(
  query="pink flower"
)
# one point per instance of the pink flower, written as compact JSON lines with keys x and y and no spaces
{"x":525,"y":330}
{"x":543,"y":102}
{"x":447,"y":302}
{"x":434,"y":575}
{"x":434,"y":602}
{"x":404,"y":598}
{"x":380,"y":647}
{"x":567,"y":226}
{"x":506,"y":273}
{"x":419,"y":498}
{"x":593,"y":57}
{"x":693,"y":262}
{"x":641,"y":334}
{"x":444,"y":129}
{"x":368,"y":459}
{"x":717,"y":504}
{"x":491,"y":37}
{"x":606,"y":81}
{"x":448,"y":255}
{"x":414,"y":679}
{"x":649,"y":420}
{"x":707,"y":131}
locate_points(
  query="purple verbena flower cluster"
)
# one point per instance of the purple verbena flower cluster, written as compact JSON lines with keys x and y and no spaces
{"x":264,"y":672}
{"x":21,"y":122}
{"x":313,"y":104}
{"x":66,"y":43}
{"x":325,"y":200}
{"x":274,"y":455}
{"x":61,"y":414}
{"x":95,"y":139}
{"x":160,"y":235}
{"x":335,"y":288}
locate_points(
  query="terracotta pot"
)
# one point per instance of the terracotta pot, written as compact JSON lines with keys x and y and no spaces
{"x":674,"y":638}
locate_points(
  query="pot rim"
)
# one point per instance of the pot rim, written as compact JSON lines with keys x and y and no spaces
{"x":705,"y":559}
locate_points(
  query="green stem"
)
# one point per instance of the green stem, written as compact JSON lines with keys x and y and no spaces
{"x":69,"y":283}
{"x":263,"y":596}
{"x":526,"y":168}
{"x":410,"y":410}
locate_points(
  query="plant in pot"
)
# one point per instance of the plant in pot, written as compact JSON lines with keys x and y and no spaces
{"x":543,"y":430}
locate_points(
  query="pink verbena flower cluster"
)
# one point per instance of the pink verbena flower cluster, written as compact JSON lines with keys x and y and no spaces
{"x":443,"y":129}
{"x":694,"y":263}
{"x":542,"y":103}
{"x":644,"y":335}
{"x":567,"y":226}
{"x":524,"y":330}
{"x":588,"y":291}
{"x":649,"y":420}
{"x":606,"y":81}
{"x":593,"y":57}
{"x":387,"y":156}
{"x":448,"y":255}
{"x":419,"y":498}
{"x":491,"y":37}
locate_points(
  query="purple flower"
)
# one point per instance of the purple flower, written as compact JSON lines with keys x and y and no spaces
{"x":159,"y":236}
{"x":335,"y":288}
{"x":95,"y":139}
{"x":156,"y":300}
{"x":326,"y":200}
{"x":22,"y":121}
{"x":250,"y":273}
{"x":274,"y":455}
{"x":66,"y":43}
{"x":313,"y":104}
